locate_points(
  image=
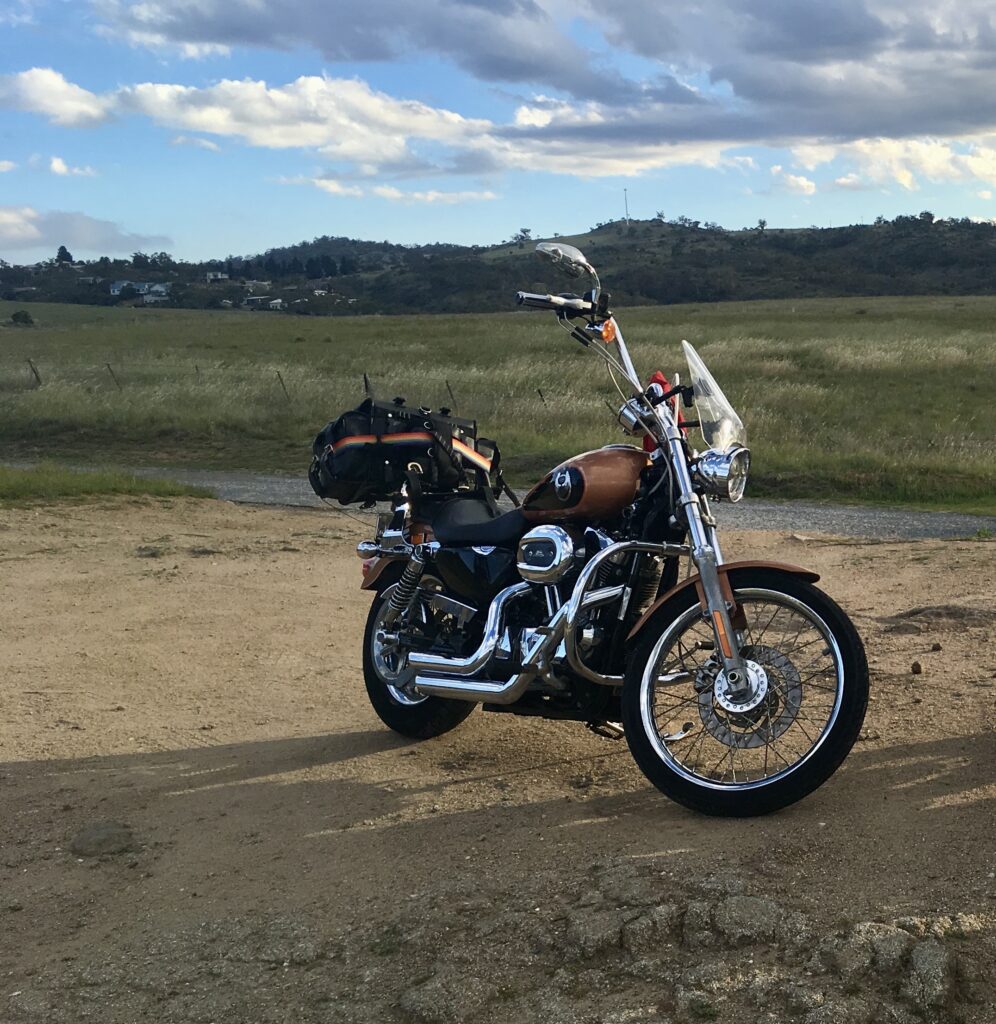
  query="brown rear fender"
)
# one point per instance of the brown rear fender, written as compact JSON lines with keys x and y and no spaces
{"x":724,"y":570}
{"x":382,"y":572}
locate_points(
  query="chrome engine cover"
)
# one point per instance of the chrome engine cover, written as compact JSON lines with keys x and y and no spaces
{"x":545,"y":555}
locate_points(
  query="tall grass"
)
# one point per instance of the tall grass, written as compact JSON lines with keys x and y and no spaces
{"x":50,"y":481}
{"x":876,"y":399}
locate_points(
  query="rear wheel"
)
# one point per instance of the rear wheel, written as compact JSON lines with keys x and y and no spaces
{"x":390,"y":683}
{"x":807,"y":700}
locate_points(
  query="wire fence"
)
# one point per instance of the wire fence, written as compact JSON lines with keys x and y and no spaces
{"x":120,"y":374}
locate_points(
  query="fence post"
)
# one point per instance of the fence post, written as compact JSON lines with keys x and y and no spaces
{"x":34,"y":370}
{"x":366,"y":383}
{"x":284,"y":386}
{"x":540,"y":393}
{"x":452,"y":396}
{"x":113,"y":376}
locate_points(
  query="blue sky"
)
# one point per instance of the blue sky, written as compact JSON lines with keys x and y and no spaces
{"x":207,"y":127}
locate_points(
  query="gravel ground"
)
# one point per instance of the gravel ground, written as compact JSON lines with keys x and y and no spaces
{"x":793,"y":517}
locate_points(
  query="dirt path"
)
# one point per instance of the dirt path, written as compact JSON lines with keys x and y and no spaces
{"x":191,"y":669}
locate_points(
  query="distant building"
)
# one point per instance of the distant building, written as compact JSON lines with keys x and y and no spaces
{"x":142,"y":288}
{"x":149,"y":299}
{"x":214,"y":276}
{"x":226,"y":303}
{"x":321,"y":291}
{"x":257,"y":285}
{"x":256,"y":301}
{"x":277,"y":304}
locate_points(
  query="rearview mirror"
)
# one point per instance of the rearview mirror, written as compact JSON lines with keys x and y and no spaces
{"x":570,"y":259}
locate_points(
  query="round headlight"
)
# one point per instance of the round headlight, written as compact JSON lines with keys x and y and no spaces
{"x":724,"y":474}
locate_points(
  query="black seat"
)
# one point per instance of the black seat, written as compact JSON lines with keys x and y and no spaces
{"x":469,"y":522}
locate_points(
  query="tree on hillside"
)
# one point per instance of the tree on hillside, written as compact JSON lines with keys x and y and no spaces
{"x":522,"y":236}
{"x":63,"y":255}
{"x":761,"y":225}
{"x":139,"y":260}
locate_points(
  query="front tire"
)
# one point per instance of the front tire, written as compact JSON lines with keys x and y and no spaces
{"x":388,"y":685}
{"x":809,"y":694}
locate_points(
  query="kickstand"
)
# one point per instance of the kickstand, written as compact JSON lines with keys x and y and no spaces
{"x":608,"y":730}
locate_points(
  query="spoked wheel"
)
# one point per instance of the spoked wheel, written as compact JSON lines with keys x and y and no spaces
{"x":390,"y":682}
{"x":808,"y":690}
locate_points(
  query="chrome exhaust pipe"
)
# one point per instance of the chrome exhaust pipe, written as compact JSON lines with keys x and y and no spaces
{"x":478,"y":659}
{"x":492,"y":691}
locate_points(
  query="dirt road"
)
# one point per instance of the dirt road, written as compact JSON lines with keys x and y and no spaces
{"x":190,"y":670}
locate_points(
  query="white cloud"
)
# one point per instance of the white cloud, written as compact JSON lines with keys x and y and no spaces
{"x":24,"y":227}
{"x":18,"y":225}
{"x":336,"y":188}
{"x":193,"y":140}
{"x":907,"y":161}
{"x":793,"y":182}
{"x":984,"y":193}
{"x":6,"y":165}
{"x":46,"y":92}
{"x":59,"y":166}
{"x":432,"y":196}
{"x":850,"y":182}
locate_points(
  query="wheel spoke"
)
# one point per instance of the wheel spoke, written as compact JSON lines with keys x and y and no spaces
{"x":789,"y":653}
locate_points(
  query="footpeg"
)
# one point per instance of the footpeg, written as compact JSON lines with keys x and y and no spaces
{"x":608,"y":730}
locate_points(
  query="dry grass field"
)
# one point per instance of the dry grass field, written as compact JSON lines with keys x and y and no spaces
{"x":873,"y":399}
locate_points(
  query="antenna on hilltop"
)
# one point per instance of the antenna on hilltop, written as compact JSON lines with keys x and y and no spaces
{"x":626,"y":203}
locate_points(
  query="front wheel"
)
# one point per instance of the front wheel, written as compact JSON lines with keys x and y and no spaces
{"x":389,"y":683}
{"x":807,"y":700}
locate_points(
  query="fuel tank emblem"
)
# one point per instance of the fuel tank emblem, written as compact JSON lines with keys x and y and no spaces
{"x":562,"y":484}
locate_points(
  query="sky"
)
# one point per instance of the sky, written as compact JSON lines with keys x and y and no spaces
{"x":217,"y":127}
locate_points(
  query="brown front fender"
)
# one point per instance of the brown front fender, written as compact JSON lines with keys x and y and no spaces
{"x":724,"y":570}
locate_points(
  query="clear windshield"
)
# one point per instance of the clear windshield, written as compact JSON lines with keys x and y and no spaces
{"x":721,"y":427}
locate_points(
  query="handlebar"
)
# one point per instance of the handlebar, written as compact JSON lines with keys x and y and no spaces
{"x":557,"y":302}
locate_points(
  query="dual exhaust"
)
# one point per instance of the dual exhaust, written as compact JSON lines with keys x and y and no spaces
{"x":450,"y":679}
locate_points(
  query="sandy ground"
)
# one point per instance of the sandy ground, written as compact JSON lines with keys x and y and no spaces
{"x":190,"y":669}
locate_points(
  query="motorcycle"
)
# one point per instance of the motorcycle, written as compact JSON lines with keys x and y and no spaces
{"x":739,"y":689}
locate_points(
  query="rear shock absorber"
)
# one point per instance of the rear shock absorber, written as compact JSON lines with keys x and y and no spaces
{"x":402,"y":598}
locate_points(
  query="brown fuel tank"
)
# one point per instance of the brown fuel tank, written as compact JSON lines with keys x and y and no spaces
{"x":591,"y":487}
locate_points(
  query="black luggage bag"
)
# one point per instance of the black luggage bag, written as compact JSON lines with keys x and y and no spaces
{"x":368,"y":453}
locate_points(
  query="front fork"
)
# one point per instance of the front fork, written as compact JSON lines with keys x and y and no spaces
{"x":705,"y":552}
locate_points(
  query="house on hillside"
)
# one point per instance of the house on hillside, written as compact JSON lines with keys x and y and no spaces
{"x":256,"y":301}
{"x":277,"y":304}
{"x":214,"y":276}
{"x":142,"y":288}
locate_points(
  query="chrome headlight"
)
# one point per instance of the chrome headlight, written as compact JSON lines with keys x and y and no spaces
{"x":723,"y":474}
{"x":546,"y":554}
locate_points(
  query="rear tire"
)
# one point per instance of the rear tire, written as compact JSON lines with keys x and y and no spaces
{"x":406,"y":712}
{"x":677,"y":728}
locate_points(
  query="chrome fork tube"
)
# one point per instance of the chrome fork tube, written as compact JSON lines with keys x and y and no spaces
{"x":706,"y":557}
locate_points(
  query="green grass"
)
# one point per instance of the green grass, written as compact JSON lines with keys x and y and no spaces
{"x":871,"y":399}
{"x":50,"y":482}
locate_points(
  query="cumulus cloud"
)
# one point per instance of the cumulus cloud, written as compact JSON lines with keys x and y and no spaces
{"x":25,"y":228}
{"x":46,"y":92}
{"x":6,"y":165}
{"x":984,"y":193}
{"x":59,"y":166}
{"x":193,"y":140}
{"x":508,"y":41}
{"x":431,"y":196}
{"x":336,"y":187}
{"x":907,"y":161}
{"x":796,"y":183}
